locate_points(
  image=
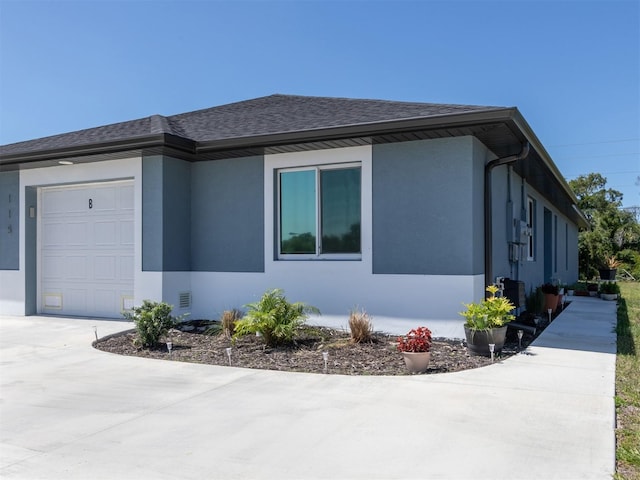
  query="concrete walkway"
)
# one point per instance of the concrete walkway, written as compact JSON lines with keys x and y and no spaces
{"x":69,"y":411}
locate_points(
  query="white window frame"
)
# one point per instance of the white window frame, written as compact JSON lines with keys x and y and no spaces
{"x":531,"y":223}
{"x":316,"y":256}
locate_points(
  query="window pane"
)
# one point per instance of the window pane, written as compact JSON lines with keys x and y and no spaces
{"x":340,"y":210}
{"x":298,"y":212}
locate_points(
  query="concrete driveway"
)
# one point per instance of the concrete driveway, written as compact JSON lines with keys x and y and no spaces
{"x":70,"y":411}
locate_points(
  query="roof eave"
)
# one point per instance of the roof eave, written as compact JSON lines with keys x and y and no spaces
{"x":101,"y":148}
{"x":535,"y":142}
{"x":359,"y":130}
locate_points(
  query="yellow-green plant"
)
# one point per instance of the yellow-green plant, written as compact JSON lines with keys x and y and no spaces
{"x":492,"y":312}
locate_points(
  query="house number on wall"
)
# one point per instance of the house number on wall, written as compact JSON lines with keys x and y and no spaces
{"x":91,"y":203}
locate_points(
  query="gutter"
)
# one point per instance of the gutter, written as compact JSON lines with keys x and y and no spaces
{"x":488,"y":220}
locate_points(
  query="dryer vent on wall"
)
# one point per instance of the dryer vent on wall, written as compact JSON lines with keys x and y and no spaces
{"x":184,"y":300}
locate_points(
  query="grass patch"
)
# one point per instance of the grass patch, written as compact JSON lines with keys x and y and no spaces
{"x":628,"y":384}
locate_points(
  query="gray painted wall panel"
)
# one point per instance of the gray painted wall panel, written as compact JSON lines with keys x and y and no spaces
{"x":501,"y":212}
{"x":9,"y":220}
{"x":31,"y":252}
{"x":424,"y":208}
{"x":227,"y":215}
{"x":152,"y":213}
{"x":481,"y":155}
{"x":531,"y":272}
{"x":166,"y":204}
{"x":176,"y":215}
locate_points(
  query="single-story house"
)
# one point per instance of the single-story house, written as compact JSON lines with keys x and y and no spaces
{"x":403,"y":209}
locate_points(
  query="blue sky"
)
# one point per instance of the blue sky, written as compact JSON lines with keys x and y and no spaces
{"x":571,"y":67}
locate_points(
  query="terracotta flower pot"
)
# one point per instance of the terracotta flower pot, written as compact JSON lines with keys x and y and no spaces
{"x":417,"y":362}
{"x":550,"y":302}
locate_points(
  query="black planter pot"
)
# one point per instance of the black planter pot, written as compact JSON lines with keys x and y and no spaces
{"x":608,"y":273}
{"x":478,"y":340}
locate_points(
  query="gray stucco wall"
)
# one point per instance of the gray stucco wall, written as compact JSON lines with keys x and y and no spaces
{"x":563,"y":245}
{"x":227,"y":215}
{"x":427,"y":208}
{"x":176,"y":215}
{"x":502,"y":220}
{"x":30,"y":251}
{"x":9,"y":220}
{"x":166,"y":213}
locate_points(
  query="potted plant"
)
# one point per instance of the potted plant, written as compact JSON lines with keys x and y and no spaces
{"x":592,"y":288}
{"x":561,"y":294}
{"x":486,"y":323}
{"x":609,"y":291}
{"x":609,"y":268}
{"x":416,"y":349}
{"x":551,"y":297}
{"x":534,"y":301}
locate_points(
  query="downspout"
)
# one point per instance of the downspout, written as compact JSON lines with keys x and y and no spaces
{"x":488,"y":222}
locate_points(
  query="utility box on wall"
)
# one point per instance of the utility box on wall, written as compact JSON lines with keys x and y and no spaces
{"x":514,"y":291}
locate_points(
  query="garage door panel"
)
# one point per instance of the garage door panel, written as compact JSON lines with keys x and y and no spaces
{"x":76,"y":267}
{"x":53,"y":267}
{"x":126,"y":233}
{"x":125,"y":197}
{"x":104,"y":267}
{"x":87,"y":254}
{"x":74,"y":300}
{"x":106,"y":233}
{"x":105,"y":301}
{"x":126,"y":268}
{"x":53,"y":234}
{"x":76,"y":234}
{"x":64,"y":202}
{"x":104,"y":199}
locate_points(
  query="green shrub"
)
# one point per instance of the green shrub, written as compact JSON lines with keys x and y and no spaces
{"x":609,"y":288}
{"x":274,"y":317}
{"x":360,"y":326}
{"x":153,"y":320}
{"x":534,"y":301}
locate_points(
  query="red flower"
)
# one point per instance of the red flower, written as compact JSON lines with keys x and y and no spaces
{"x":417,"y":340}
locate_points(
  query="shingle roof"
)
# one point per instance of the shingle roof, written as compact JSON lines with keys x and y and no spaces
{"x":290,"y":113}
{"x":284,"y":123}
{"x":257,"y":117}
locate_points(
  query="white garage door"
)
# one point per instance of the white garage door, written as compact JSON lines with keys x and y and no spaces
{"x":86,"y":249}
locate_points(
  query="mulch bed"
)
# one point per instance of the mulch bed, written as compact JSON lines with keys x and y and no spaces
{"x":377,"y":357}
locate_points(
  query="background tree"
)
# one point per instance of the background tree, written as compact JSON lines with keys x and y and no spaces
{"x":614,"y":231}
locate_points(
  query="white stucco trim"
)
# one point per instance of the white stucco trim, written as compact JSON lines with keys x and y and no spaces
{"x":352,"y":155}
{"x":397,"y":303}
